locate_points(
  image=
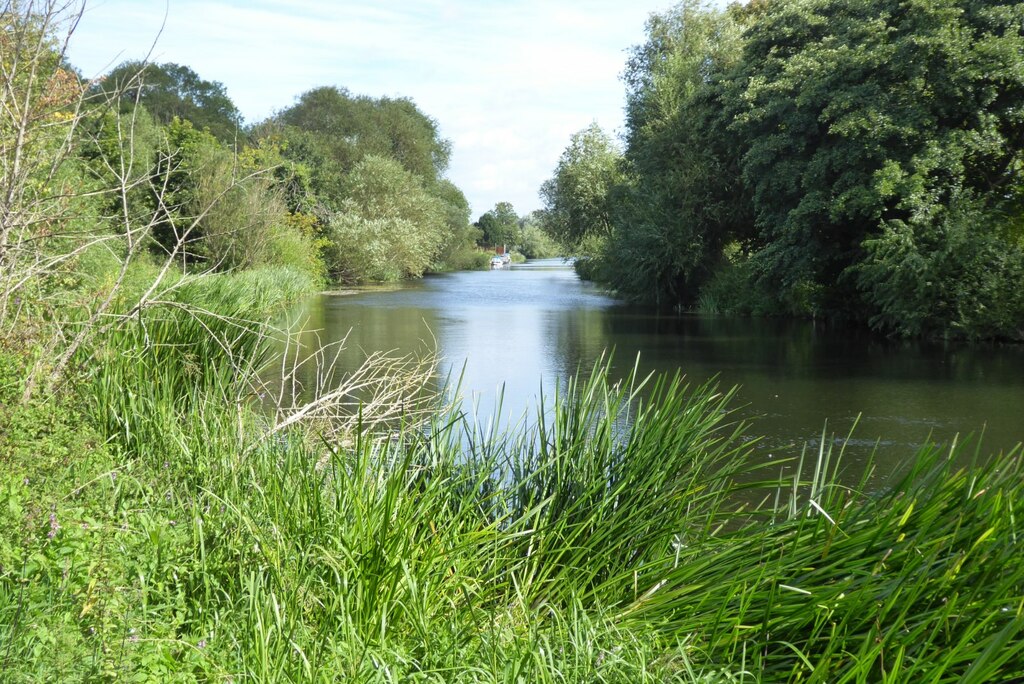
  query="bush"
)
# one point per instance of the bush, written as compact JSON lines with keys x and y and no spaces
{"x":467,"y":259}
{"x":534,"y":243}
{"x":388,"y":228}
{"x":954,"y":277}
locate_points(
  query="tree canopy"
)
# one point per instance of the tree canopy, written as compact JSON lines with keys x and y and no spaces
{"x":856,"y":159}
{"x":172,"y":90}
{"x":500,"y":225}
{"x":349,"y":127}
{"x":577,"y":198}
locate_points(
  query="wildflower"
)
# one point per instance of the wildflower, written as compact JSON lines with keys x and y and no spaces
{"x":54,"y":526}
{"x":201,"y":644}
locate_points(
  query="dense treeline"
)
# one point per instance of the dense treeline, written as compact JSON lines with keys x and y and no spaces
{"x":168,"y":513}
{"x":854,"y":159}
{"x":337,"y":185}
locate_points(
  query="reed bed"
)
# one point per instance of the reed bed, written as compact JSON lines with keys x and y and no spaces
{"x":609,"y":539}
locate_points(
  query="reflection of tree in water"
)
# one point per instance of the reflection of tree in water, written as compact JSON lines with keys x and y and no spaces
{"x":576,"y":338}
{"x":796,"y":375}
{"x":365,"y":328}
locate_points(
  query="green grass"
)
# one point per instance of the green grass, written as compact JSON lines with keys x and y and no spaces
{"x":151,"y":533}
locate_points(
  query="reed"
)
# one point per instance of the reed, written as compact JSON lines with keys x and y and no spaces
{"x":610,"y":538}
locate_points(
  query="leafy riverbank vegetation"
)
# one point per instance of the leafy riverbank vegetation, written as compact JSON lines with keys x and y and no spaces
{"x":340,"y":187}
{"x":157,"y":525}
{"x":170,"y":511}
{"x":853,"y":159}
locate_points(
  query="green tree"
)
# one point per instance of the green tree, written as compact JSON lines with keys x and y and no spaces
{"x":173,"y":90}
{"x":219,"y":207}
{"x":534,"y":242}
{"x":345,"y":128}
{"x":389,"y":226}
{"x":577,"y":198}
{"x":860,"y":115}
{"x":459,"y":246}
{"x":500,"y":226}
{"x":684,"y":201}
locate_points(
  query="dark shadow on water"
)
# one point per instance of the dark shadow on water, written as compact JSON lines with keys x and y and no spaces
{"x":518,"y":328}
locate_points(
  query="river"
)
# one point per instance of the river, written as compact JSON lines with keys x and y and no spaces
{"x":512,"y":330}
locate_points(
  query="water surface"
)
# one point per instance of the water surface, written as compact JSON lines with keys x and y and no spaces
{"x":514,"y":330}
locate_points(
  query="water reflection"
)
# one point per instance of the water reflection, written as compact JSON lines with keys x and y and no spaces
{"x":518,"y":328}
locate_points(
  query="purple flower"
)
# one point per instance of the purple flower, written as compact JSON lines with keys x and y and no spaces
{"x":53,"y":526}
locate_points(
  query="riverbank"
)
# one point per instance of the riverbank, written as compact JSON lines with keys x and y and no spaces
{"x":157,"y":526}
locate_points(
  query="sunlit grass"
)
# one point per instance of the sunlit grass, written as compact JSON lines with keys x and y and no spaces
{"x":611,"y":539}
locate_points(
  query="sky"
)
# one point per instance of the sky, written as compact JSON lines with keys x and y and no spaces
{"x":508,"y":81}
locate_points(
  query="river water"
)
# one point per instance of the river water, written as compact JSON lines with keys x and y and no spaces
{"x":513,"y":330}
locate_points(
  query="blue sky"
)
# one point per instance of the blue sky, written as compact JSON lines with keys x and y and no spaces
{"x":508,"y":81}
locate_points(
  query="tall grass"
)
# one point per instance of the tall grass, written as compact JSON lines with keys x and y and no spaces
{"x":610,"y":539}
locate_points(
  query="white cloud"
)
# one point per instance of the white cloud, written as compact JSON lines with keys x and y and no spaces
{"x":508,"y":82}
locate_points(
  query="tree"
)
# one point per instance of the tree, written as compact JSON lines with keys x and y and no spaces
{"x":684,"y":201}
{"x":577,"y":198}
{"x":229,"y":207}
{"x":346,"y":128}
{"x":500,"y":225}
{"x":534,"y":242}
{"x":865,"y":115}
{"x":173,"y":90}
{"x":389,"y":226}
{"x":461,"y":236}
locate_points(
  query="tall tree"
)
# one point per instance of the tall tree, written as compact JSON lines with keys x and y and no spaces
{"x":173,"y":90}
{"x":500,"y":225}
{"x":349,"y":128}
{"x":865,"y":114}
{"x":577,"y":197}
{"x":684,"y":202}
{"x":389,"y":226}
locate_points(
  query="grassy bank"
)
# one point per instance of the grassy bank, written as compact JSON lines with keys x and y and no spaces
{"x":156,"y":526}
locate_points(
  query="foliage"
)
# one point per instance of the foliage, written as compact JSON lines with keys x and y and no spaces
{"x":945,"y":277}
{"x":223,"y":207}
{"x":682,"y":204}
{"x":388,"y":228}
{"x":40,"y":182}
{"x":500,"y":226}
{"x":347,"y":128}
{"x":173,"y":91}
{"x":734,"y":290}
{"x":577,"y":198}
{"x":121,"y":150}
{"x":534,"y":242}
{"x":459,"y":249}
{"x":836,"y":142}
{"x":873,"y":112}
{"x":341,"y":142}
